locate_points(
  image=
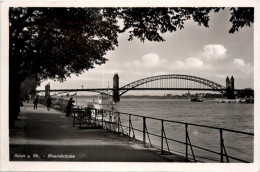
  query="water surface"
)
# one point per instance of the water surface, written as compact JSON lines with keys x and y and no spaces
{"x":233,"y":116}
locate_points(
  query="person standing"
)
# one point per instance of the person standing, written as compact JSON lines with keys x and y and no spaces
{"x":48,"y":103}
{"x":35,"y":102}
{"x":69,"y":106}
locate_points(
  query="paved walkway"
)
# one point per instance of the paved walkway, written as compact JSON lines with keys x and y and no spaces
{"x":43,"y":135}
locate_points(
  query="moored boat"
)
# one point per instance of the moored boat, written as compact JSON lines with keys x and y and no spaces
{"x":245,"y":100}
{"x":196,"y":100}
{"x":105,"y":104}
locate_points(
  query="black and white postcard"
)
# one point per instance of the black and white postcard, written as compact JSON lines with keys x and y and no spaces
{"x":129,"y":86}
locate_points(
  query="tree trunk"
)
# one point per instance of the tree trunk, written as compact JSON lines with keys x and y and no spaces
{"x":14,"y":104}
{"x":14,"y":82}
{"x":14,"y":96}
{"x":14,"y":90}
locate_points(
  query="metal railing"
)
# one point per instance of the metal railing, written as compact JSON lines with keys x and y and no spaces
{"x":97,"y":117}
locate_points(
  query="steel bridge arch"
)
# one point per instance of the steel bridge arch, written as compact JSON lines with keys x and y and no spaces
{"x":206,"y":82}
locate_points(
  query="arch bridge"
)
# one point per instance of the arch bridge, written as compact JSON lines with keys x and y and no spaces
{"x":160,"y":82}
{"x":168,"y":82}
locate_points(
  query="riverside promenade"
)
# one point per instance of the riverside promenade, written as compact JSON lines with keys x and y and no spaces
{"x":42,"y":135}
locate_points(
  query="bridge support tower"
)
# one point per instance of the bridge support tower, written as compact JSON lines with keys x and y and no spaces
{"x":230,"y":87}
{"x":116,"y":97}
{"x":47,"y":90}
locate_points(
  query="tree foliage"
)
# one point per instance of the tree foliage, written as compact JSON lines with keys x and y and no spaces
{"x":150,"y":23}
{"x":241,"y":17}
{"x":55,"y":42}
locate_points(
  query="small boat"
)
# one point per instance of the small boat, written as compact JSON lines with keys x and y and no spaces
{"x":196,"y":100}
{"x":238,"y":100}
{"x":227,"y":101}
{"x":224,"y":101}
{"x":245,"y":100}
{"x":220,"y":101}
{"x":250,"y":100}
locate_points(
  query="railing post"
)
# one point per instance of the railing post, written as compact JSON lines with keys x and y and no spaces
{"x":81,"y":118}
{"x":221,"y":144}
{"x":186,"y":140}
{"x":74,"y":118}
{"x":87,"y":114}
{"x":129,"y":126}
{"x":162,"y":130}
{"x":144,"y":127}
{"x":95,"y":116}
{"x":102,"y":118}
{"x":118,"y":120}
{"x":110,"y":120}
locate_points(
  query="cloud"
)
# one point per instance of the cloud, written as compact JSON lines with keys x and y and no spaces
{"x":222,"y":76}
{"x":177,"y":64}
{"x":136,"y":63}
{"x":142,"y":74}
{"x":241,"y":65}
{"x":236,"y":67}
{"x":190,"y":63}
{"x":102,"y":70}
{"x":214,"y":52}
{"x":160,"y":73}
{"x":193,"y":62}
{"x":203,"y":60}
{"x":149,"y":61}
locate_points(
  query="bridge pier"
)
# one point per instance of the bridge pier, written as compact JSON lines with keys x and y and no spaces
{"x":116,"y":97}
{"x":47,"y":90}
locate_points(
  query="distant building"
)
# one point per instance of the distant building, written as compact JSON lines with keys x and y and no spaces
{"x":246,"y":93}
{"x":213,"y":96}
{"x":168,"y":95}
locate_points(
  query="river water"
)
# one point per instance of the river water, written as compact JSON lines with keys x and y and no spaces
{"x":234,"y":116}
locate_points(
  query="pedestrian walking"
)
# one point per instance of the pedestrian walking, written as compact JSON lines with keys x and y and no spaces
{"x":35,"y":102}
{"x":69,"y":106}
{"x":48,"y":103}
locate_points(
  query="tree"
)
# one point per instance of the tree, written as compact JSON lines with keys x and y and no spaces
{"x":28,"y":87}
{"x":56,"y":42}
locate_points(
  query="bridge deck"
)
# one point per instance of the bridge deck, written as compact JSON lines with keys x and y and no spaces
{"x":111,"y":89}
{"x":49,"y":133}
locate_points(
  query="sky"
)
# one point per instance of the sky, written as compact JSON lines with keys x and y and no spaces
{"x":211,"y":53}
